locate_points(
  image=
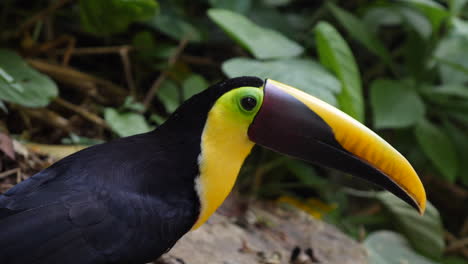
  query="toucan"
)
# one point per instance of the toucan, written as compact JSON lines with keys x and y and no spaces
{"x":131,"y":199}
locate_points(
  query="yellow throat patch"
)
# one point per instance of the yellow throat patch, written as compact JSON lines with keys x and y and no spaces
{"x":224,"y":147}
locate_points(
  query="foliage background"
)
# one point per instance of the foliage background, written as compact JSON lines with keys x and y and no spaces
{"x":82,"y":72}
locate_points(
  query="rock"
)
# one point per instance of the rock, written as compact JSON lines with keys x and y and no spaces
{"x":276,"y":235}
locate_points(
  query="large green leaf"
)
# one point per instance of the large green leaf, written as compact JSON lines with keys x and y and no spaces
{"x":336,"y":55}
{"x":23,"y":85}
{"x":415,"y":20}
{"x":378,"y":16}
{"x":105,"y":17}
{"x":438,"y":148}
{"x":176,"y":27}
{"x":127,"y":123}
{"x":392,"y":15}
{"x":456,"y":6}
{"x":304,"y":74}
{"x":263,"y":43}
{"x":417,"y":228}
{"x":395,"y":104}
{"x":460,"y":140}
{"x":386,"y":247}
{"x":359,"y":31}
{"x":435,"y":12}
{"x":460,"y":27}
{"x":452,"y":54}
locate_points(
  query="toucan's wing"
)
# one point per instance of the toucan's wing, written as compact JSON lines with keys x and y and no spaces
{"x":54,"y":219}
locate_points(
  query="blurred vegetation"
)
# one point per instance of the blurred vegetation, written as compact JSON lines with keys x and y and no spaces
{"x":82,"y":72}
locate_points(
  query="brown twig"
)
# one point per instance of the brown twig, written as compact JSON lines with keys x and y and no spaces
{"x":41,"y":15}
{"x":123,"y":51}
{"x":198,"y":60}
{"x":456,"y":245}
{"x":464,"y":229}
{"x":82,"y":112}
{"x":96,"y":50}
{"x":19,"y":176}
{"x":49,"y":117}
{"x":68,"y":52}
{"x":162,"y":77}
{"x":52,"y":44}
{"x":8,"y":173}
{"x":84,"y":81}
{"x":128,"y":69}
{"x":154,"y":88}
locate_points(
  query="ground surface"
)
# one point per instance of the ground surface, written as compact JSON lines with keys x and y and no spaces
{"x":271,"y":235}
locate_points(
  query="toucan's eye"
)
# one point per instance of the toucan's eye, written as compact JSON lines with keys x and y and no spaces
{"x":248,"y":103}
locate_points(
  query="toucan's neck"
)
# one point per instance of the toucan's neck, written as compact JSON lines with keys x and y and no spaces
{"x":224,"y":147}
{"x":215,"y":147}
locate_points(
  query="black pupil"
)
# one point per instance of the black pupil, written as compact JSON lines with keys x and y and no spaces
{"x":248,"y":103}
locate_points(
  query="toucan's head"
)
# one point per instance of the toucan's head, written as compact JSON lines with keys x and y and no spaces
{"x":249,"y":111}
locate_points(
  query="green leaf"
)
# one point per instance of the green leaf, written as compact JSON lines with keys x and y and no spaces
{"x":438,"y":148}
{"x":3,"y":106}
{"x":418,"y":22}
{"x":127,"y":123}
{"x":459,"y":138}
{"x":417,"y":228}
{"x":459,"y":27}
{"x":449,"y":90}
{"x":378,"y":16}
{"x":144,"y":42}
{"x":456,"y":6}
{"x":386,"y":247}
{"x":336,"y":55}
{"x":170,"y":95}
{"x":395,"y":104}
{"x":452,"y":54}
{"x":263,"y":43}
{"x":304,"y":74}
{"x":237,"y":6}
{"x":132,"y":105}
{"x":276,"y":2}
{"x":287,"y":24}
{"x":157,"y":119}
{"x":393,"y":15}
{"x":194,"y":84}
{"x":435,"y":12}
{"x":360,"y":32}
{"x":175,"y":27}
{"x":23,"y":85}
{"x":106,"y":17}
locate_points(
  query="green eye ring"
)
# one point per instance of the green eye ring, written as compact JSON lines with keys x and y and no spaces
{"x":245,"y":101}
{"x":248,"y":103}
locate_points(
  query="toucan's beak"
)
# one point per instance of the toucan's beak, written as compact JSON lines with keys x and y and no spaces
{"x":297,"y":124}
